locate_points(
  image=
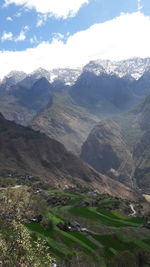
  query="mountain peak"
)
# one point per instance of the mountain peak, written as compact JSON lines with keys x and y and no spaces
{"x":134,"y":67}
{"x":66,"y":75}
{"x":39,"y":73}
{"x":14,"y":77}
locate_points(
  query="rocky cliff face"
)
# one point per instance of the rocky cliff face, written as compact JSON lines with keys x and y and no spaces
{"x":34,"y":153}
{"x":121,"y":148}
{"x":107,"y":152}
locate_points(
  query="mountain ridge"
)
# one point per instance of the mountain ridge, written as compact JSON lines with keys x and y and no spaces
{"x":79,"y":98}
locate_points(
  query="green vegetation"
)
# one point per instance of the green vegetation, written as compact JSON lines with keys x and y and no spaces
{"x":100,"y":234}
{"x":17,"y":247}
{"x":103,"y":240}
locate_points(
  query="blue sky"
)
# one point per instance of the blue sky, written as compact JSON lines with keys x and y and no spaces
{"x":41,"y":27}
{"x":14,"y":18}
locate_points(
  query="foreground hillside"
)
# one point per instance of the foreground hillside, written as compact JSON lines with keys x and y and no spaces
{"x":120,"y":147}
{"x":72,"y":227}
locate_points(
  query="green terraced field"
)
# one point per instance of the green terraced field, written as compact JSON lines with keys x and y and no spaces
{"x":102,"y":240}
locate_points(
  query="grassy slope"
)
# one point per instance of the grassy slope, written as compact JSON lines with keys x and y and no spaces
{"x":95,"y":244}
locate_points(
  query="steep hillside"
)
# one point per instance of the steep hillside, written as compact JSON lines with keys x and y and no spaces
{"x":72,"y":113}
{"x":21,"y":103}
{"x":35,"y":98}
{"x":121,"y":147}
{"x":34,"y":153}
{"x":107,"y":152}
{"x":142,"y":85}
{"x":65,"y":121}
{"x":104,"y":93}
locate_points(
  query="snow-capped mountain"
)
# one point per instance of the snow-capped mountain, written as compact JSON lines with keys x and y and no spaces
{"x":40,"y":73}
{"x":134,"y":67}
{"x":13,"y":78}
{"x":34,"y":76}
{"x":68,"y":76}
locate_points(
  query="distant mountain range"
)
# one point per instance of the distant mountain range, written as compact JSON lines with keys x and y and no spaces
{"x":67,"y":76}
{"x":67,"y":103}
{"x":134,"y":67}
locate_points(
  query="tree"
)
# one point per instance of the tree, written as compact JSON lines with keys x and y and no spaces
{"x":17,"y":248}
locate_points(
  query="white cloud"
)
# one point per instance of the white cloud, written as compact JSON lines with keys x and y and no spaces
{"x":26,"y":28}
{"x":34,"y":40}
{"x":18,"y":14}
{"x":58,"y":36}
{"x":123,"y":37}
{"x":20,"y":37}
{"x":41,"y":19}
{"x":9,"y":19}
{"x":7,"y":36}
{"x":22,"y":34}
{"x":57,"y":8}
{"x":139,"y":7}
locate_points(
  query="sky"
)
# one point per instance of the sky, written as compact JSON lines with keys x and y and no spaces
{"x":69,"y":33}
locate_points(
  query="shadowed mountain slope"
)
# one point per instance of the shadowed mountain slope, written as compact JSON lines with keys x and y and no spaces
{"x":120,"y":147}
{"x":73,"y":112}
{"x":22,"y":104}
{"x":34,"y":153}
